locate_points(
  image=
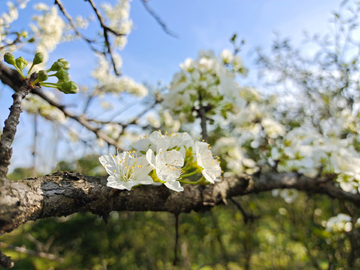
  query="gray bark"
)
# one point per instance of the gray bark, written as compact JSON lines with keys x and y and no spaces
{"x":66,"y":193}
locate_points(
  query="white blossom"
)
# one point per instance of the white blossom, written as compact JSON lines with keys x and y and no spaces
{"x":210,"y":166}
{"x":126,"y":171}
{"x":34,"y":104}
{"x":340,"y":223}
{"x":167,"y":165}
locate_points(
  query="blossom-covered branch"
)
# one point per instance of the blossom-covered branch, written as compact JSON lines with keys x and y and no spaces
{"x":106,"y":31}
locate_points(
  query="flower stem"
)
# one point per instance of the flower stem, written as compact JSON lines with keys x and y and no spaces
{"x":190,"y":174}
{"x":200,"y":181}
{"x":30,"y":69}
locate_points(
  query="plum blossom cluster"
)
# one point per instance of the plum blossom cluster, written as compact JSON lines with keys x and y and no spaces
{"x":169,"y":159}
{"x":289,"y":195}
{"x":6,"y":18}
{"x":257,"y":140}
{"x":341,"y":223}
{"x":110,"y":83}
{"x":119,"y":18}
{"x":206,"y":82}
{"x":313,"y":154}
{"x":253,"y":130}
{"x":304,"y":150}
{"x":34,"y":104}
{"x":49,"y":29}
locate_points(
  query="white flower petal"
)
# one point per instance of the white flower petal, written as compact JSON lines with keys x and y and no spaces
{"x":151,"y":158}
{"x":142,"y":145}
{"x":114,"y":183}
{"x":174,"y":185}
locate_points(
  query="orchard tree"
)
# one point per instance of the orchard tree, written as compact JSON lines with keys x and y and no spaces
{"x":202,"y":141}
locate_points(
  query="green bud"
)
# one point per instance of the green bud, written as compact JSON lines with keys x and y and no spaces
{"x":56,"y":66}
{"x":68,"y":87}
{"x":65,"y":63}
{"x":31,"y":40}
{"x":24,"y":34}
{"x":38,"y":58}
{"x":62,"y":75}
{"x":42,"y":75}
{"x":9,"y":58}
{"x":21,"y":63}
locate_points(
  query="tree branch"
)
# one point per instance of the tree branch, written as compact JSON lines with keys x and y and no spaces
{"x":9,"y":130}
{"x":67,"y":15}
{"x":66,"y":193}
{"x":10,"y":77}
{"x":80,"y":119}
{"x":5,"y":261}
{"x":40,"y":254}
{"x":106,"y":30}
{"x":158,"y":19}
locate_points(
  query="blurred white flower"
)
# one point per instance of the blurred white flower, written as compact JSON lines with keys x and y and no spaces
{"x":340,"y":223}
{"x":34,"y":104}
{"x":210,"y":166}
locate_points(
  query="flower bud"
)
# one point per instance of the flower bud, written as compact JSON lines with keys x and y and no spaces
{"x":24,"y":34}
{"x":62,"y":75}
{"x":9,"y":58}
{"x":21,"y":63}
{"x":56,"y":66}
{"x":38,"y":58}
{"x":42,"y":75}
{"x":65,"y":63}
{"x":68,"y":87}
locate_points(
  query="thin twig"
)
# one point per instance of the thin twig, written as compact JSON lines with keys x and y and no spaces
{"x":106,"y":30}
{"x":67,"y":15}
{"x":89,"y":99}
{"x":246,"y":216}
{"x":33,"y":173}
{"x":221,"y":243}
{"x":133,"y":122}
{"x":17,"y":40}
{"x":176,"y":258}
{"x":80,"y":119}
{"x":33,"y":252}
{"x":158,"y":19}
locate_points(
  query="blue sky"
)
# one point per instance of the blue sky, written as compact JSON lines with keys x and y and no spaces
{"x":152,"y":55}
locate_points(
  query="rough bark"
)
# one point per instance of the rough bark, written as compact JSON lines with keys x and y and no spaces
{"x":9,"y":130}
{"x":65,"y":193}
{"x":10,"y":77}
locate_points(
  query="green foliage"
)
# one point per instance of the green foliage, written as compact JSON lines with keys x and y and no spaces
{"x":20,"y":173}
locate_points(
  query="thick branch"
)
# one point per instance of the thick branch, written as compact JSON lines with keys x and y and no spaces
{"x":9,"y":130}
{"x":65,"y":193}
